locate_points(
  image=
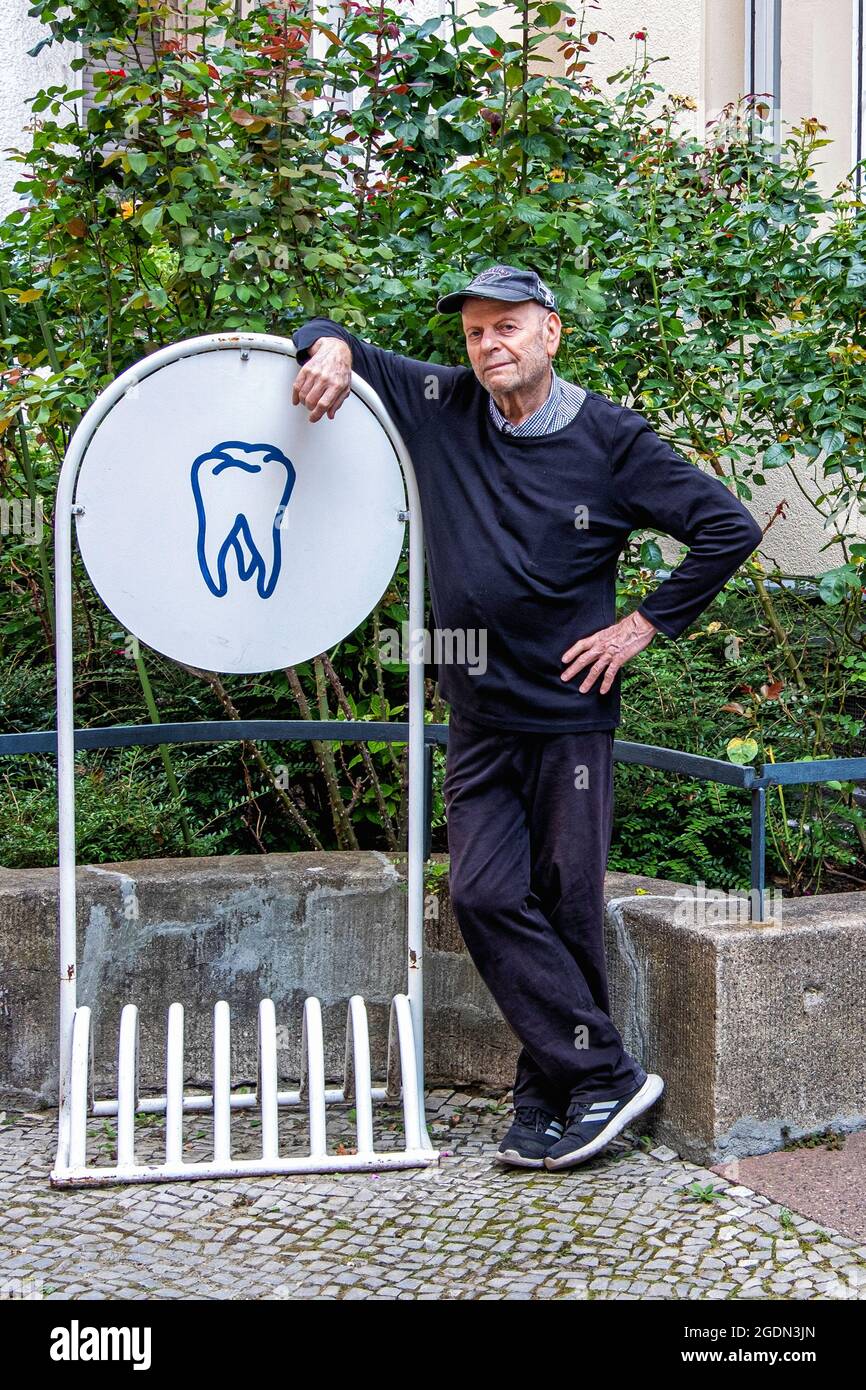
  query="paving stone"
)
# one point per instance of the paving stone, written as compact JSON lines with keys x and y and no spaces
{"x":624,"y":1228}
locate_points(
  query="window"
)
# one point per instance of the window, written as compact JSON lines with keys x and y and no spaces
{"x":141,"y":52}
{"x":764,"y":67}
{"x":858,"y":124}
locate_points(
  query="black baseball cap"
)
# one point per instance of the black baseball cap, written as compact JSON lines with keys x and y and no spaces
{"x":500,"y":282}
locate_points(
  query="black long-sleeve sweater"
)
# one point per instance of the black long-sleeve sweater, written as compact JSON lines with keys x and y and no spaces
{"x":523,"y":534}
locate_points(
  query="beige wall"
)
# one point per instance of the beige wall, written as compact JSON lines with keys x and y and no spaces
{"x":818,"y":78}
{"x":722,"y":57}
{"x":704,"y":48}
{"x":705,"y":44}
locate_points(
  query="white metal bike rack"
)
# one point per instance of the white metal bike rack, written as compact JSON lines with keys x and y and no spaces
{"x":404,"y":1078}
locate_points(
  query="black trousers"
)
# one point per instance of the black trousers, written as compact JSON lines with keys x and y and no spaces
{"x":529,"y":823}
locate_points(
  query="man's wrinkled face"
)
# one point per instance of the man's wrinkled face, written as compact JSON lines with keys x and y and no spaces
{"x":510,"y":346}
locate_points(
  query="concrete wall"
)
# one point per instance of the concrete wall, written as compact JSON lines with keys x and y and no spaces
{"x":755,"y":1028}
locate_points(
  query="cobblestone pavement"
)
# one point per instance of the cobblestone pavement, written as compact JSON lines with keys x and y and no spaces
{"x":625,"y":1225}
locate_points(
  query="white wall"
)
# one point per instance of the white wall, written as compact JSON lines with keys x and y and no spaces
{"x":22,"y":78}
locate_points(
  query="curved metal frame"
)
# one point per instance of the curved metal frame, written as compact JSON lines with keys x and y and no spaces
{"x":408,"y":1010}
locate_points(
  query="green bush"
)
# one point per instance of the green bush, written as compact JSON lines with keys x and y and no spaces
{"x":707,"y":283}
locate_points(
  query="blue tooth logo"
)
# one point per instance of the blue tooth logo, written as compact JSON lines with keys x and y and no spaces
{"x":241,"y":492}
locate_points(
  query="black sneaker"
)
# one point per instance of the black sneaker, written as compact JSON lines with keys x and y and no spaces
{"x":590,"y":1124}
{"x":533,"y":1132}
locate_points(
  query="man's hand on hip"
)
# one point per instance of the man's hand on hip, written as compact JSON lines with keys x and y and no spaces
{"x":324,"y":381}
{"x":608,"y":650}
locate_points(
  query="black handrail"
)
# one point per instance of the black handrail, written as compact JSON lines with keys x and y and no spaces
{"x":756,"y":782}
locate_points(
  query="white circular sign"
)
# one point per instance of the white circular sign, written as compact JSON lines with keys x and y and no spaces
{"x":223,"y":528}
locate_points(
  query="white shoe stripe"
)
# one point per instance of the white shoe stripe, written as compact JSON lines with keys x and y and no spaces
{"x":650,"y":1092}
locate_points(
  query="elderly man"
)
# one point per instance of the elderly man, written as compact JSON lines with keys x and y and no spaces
{"x":530,"y":486}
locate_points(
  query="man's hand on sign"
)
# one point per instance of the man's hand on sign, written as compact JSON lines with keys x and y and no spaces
{"x":607,"y":650}
{"x":323,"y":383}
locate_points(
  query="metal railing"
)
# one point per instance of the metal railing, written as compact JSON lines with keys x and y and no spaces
{"x":756,"y":783}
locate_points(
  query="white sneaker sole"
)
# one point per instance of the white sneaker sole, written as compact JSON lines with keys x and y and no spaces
{"x":645,"y":1097}
{"x":512,"y":1159}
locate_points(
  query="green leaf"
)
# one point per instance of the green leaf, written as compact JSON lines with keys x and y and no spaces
{"x":576,"y":229}
{"x":856,"y":277}
{"x":776,"y":456}
{"x":832,"y":441}
{"x":530,"y":213}
{"x":834,"y":583}
{"x":135,"y":301}
{"x":741,"y":750}
{"x":651,"y":556}
{"x":152,"y":219}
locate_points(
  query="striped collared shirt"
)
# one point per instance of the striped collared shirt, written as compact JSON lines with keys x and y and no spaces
{"x":563,"y":402}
